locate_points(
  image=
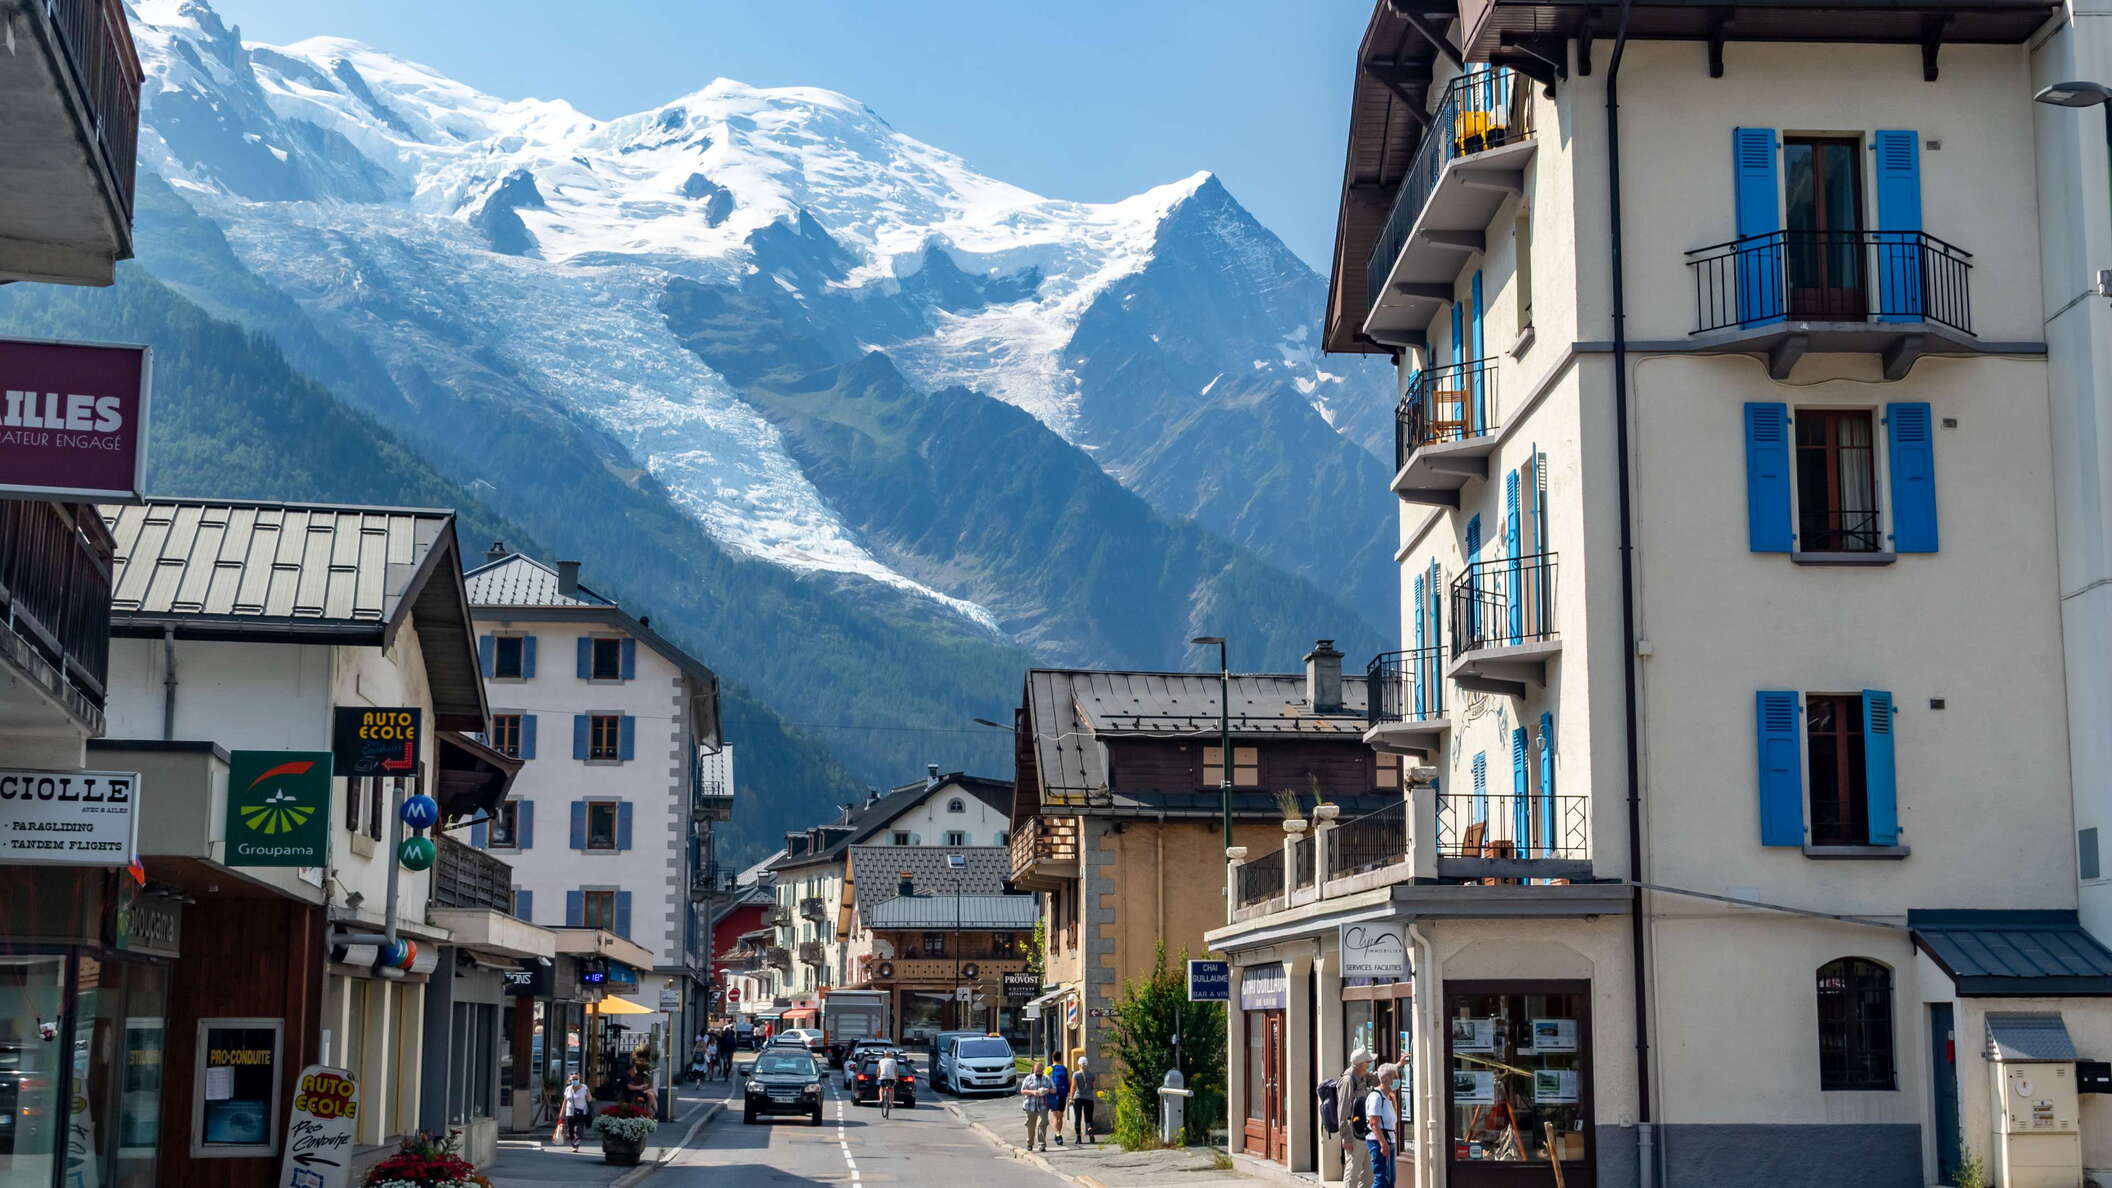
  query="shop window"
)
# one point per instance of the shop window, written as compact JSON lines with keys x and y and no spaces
{"x":1518,"y":1063}
{"x":235,"y":1091}
{"x":1855,"y":1025}
{"x":471,"y":1072}
{"x":1246,"y":767}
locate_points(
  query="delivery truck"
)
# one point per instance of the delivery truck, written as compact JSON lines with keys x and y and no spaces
{"x":848,"y":1016}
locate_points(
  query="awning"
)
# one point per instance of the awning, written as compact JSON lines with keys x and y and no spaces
{"x":616,"y":1004}
{"x":473,"y":778}
{"x":1050,"y":997}
{"x":2028,"y":1037}
{"x":2014,"y":954}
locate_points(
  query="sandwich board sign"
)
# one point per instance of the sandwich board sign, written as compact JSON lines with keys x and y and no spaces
{"x":319,"y":1130}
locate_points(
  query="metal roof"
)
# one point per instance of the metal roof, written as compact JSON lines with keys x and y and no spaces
{"x":938,"y":910}
{"x":2014,"y":953}
{"x":1071,"y":710}
{"x":2028,"y":1036}
{"x":876,"y":871}
{"x":866,"y":820}
{"x":518,"y":580}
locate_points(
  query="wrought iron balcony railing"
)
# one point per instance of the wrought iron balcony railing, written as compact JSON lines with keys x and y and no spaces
{"x":1373,"y":841}
{"x":1261,"y":879}
{"x":710,"y":800}
{"x":1480,"y":110}
{"x":1855,"y":275}
{"x":1405,"y":686}
{"x":1451,"y":403}
{"x":812,"y":953}
{"x":1510,"y":600}
{"x":812,"y":908}
{"x":55,"y":589}
{"x":1507,"y":825}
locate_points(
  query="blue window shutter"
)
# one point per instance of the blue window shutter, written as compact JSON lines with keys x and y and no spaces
{"x":527,"y":656}
{"x":1472,"y":620}
{"x":623,"y":914}
{"x":1547,"y":785}
{"x":1513,"y":591}
{"x":579,"y":736}
{"x":1521,"y":797}
{"x":1415,"y":661}
{"x":1481,"y":351}
{"x":524,"y":905}
{"x":586,"y":658}
{"x":484,"y":650}
{"x":1758,"y":265}
{"x":623,"y":825}
{"x":1781,"y":768}
{"x":627,"y":737}
{"x":1899,"y":275}
{"x":579,"y":824}
{"x":478,"y":834}
{"x":1481,"y":785}
{"x":630,"y":659}
{"x":527,"y":736}
{"x":524,"y":824}
{"x":1459,"y":336}
{"x":1767,"y":522}
{"x":1880,"y":781}
{"x":575,"y":909}
{"x":1913,"y":478}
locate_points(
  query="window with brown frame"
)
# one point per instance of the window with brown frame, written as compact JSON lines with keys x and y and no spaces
{"x":1855,"y":1025}
{"x":1840,"y":803}
{"x":598,"y":909}
{"x":607,"y":660}
{"x":601,"y":824}
{"x":934,"y":944}
{"x":1836,"y":481}
{"x":605,"y":736}
{"x":505,"y":826}
{"x":506,"y":734}
{"x":1246,"y":767}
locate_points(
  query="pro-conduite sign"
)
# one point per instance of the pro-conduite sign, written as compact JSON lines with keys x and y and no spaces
{"x":73,"y":419}
{"x":69,"y":818}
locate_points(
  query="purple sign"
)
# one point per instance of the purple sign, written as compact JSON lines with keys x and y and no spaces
{"x":1265,"y":987}
{"x":73,"y":420}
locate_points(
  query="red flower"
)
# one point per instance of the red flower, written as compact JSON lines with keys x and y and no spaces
{"x":626,"y":1111}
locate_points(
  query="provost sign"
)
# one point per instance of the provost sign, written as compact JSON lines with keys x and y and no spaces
{"x":278,"y":808}
{"x":373,"y":740}
{"x":73,"y":420}
{"x":69,"y":818}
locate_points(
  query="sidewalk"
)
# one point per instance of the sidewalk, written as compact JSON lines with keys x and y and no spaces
{"x":1101,"y":1164}
{"x":525,"y":1160}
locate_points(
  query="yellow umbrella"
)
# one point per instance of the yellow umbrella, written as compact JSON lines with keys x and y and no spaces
{"x":614,"y":1004}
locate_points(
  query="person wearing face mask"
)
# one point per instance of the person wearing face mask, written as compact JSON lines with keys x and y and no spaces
{"x":575,"y":1107}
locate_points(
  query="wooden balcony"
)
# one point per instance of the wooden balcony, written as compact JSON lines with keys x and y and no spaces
{"x":940,"y":970}
{"x":1045,"y":853}
{"x":55,"y":601}
{"x":466,"y":877}
{"x":69,"y":131}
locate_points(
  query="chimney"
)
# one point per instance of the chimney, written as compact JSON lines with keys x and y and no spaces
{"x":907,"y":886}
{"x":568,"y":577}
{"x":497,"y":551}
{"x":931,"y":773}
{"x":1323,"y":678}
{"x":872,"y":797}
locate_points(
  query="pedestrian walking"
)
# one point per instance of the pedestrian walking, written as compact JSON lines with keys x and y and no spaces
{"x":729,"y":1039}
{"x":575,"y":1107}
{"x":1059,"y":1091}
{"x":1350,"y":1089}
{"x":1085,"y":1092}
{"x":1034,"y":1103}
{"x":1382,"y":1114}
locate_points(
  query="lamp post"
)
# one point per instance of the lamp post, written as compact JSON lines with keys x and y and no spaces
{"x":1224,"y":730}
{"x":2083,"y":94}
{"x":956,"y":862}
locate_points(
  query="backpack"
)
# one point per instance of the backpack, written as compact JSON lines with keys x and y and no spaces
{"x":1330,"y":1114}
{"x":1359,"y":1121}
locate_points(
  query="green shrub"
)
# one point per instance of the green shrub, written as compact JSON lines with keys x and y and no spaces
{"x":1152,"y":1014}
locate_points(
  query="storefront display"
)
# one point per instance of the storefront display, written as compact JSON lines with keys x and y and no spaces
{"x":1518,"y":1057}
{"x":235,"y":1091}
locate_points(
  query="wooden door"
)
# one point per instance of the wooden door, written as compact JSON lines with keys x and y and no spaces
{"x":1823,"y":192}
{"x":1279,"y":1144}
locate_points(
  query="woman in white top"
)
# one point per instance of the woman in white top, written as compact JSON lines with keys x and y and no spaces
{"x":1382,"y":1118}
{"x":574,"y":1108}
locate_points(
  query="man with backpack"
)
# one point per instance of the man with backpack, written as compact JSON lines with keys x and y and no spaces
{"x":1350,"y":1097}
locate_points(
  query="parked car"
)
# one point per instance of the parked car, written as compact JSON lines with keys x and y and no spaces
{"x":858,"y":1051}
{"x":805,"y":1037}
{"x":941,"y":1040}
{"x":744,"y":1032}
{"x":975,"y":1063}
{"x":783,"y":1080}
{"x":865,"y":1087}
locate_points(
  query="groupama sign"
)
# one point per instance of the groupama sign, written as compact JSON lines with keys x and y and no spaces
{"x":278,"y":808}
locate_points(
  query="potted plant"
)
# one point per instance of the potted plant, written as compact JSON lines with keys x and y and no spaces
{"x":623,"y":1130}
{"x":1293,"y":812}
{"x":1324,"y":810}
{"x":425,"y":1161}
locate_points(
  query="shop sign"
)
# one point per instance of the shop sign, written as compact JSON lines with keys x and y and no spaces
{"x":68,"y":818}
{"x":671,"y":997}
{"x":1209,"y":981}
{"x":1375,"y":949}
{"x":622,"y":975}
{"x":319,"y":1131}
{"x":150,"y":924}
{"x":278,"y":808}
{"x":370,"y":740}
{"x":1264,"y":988}
{"x":531,"y":980}
{"x":235,"y":1087}
{"x":1021,"y":985}
{"x":73,"y":420}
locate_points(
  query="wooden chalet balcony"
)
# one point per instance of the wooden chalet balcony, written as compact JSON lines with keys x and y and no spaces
{"x":466,"y":877}
{"x":55,"y":598}
{"x":929,"y":970}
{"x":1045,"y":853}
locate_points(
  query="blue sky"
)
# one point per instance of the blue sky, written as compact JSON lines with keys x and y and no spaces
{"x":1092,"y":100}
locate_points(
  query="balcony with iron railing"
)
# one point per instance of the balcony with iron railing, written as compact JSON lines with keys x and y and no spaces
{"x":1473,"y":156}
{"x":1444,"y":430}
{"x":1782,"y":294}
{"x":1405,"y":701}
{"x":1503,"y":624}
{"x":811,"y":952}
{"x":777,"y":915}
{"x":55,"y":565}
{"x":710,"y":800}
{"x":813,"y":908}
{"x":1498,"y":838}
{"x":72,"y":83}
{"x":1044,"y":853}
{"x":1260,"y":880}
{"x":777,"y":957}
{"x":704,"y":882}
{"x":466,"y":877}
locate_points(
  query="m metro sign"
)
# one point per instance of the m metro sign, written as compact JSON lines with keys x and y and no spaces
{"x":73,"y":420}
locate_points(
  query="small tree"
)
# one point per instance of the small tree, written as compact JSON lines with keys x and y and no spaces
{"x":1153,"y":1021}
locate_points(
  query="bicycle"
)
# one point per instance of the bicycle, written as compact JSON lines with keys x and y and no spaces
{"x":887,"y":1098}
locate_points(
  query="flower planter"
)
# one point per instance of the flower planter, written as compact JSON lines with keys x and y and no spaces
{"x":621,"y":1152}
{"x":1236,"y":853}
{"x":1294,"y":826}
{"x":1326,"y":812}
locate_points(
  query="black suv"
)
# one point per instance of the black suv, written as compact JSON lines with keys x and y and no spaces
{"x":783,"y":1080}
{"x":859,"y":1050}
{"x":865,"y":1087}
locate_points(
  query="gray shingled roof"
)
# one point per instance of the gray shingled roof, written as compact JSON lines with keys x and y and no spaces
{"x":518,"y":580}
{"x":2029,"y":1036}
{"x":1012,"y":912}
{"x":2004,"y":953}
{"x":868,"y":819}
{"x":876,"y":871}
{"x":1071,"y":709}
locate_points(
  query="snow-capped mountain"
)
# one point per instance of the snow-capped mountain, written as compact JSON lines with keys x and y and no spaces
{"x":467,"y":267}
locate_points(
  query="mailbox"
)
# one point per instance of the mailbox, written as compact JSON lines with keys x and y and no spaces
{"x":2093,"y":1076}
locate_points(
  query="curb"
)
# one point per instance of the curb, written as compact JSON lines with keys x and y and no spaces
{"x":1014,"y":1150}
{"x":710,"y":1110}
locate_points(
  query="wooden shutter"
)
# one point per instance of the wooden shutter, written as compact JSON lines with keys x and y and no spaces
{"x":1767,"y":518}
{"x":575,"y":909}
{"x":1879,"y":778}
{"x":524,"y":905}
{"x":479,"y":834}
{"x":527,"y":736}
{"x":527,"y":657}
{"x":586,"y":657}
{"x":623,"y":914}
{"x":1781,"y":762}
{"x":1481,"y":785}
{"x":1913,"y":466}
{"x":1513,"y":592}
{"x":580,"y":724}
{"x":1547,"y":784}
{"x":627,"y":738}
{"x":1521,"y":796}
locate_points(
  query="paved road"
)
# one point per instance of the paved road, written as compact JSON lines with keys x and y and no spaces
{"x":924,"y":1147}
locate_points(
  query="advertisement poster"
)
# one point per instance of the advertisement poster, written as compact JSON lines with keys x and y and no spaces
{"x":1473,"y":1086}
{"x":319,"y":1131}
{"x":1554,"y":1035}
{"x":68,"y":818}
{"x":237,"y":1086}
{"x":278,"y":808}
{"x":1473,"y":1035}
{"x":73,"y":420}
{"x":1555,"y":1086}
{"x":370,"y":740}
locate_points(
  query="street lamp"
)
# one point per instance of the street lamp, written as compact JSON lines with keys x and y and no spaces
{"x":956,"y":862}
{"x":2083,"y":94}
{"x":1224,"y":730}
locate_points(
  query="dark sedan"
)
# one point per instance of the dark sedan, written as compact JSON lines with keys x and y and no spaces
{"x":783,"y":1080}
{"x":865,"y":1087}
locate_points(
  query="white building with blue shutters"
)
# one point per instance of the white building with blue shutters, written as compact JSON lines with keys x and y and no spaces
{"x":609,"y":824}
{"x":1731,"y":639}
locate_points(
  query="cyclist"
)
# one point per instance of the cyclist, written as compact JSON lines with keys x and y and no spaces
{"x":890,"y":1068}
